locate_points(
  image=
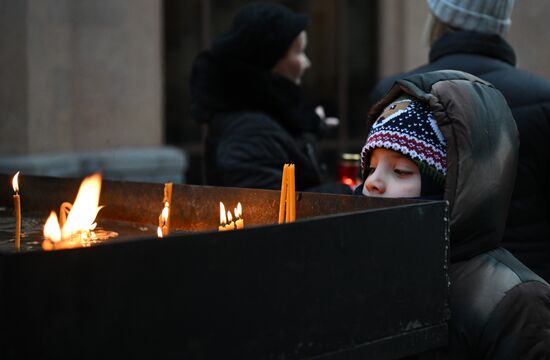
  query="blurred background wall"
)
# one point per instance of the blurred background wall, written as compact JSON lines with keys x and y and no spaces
{"x":81,"y":89}
{"x":402,"y":46}
{"x":103,"y":84}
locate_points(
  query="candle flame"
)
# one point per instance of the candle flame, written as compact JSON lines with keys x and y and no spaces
{"x":238,"y":211}
{"x":229,"y":217}
{"x":51,"y":228}
{"x":159,"y":232}
{"x":15,"y":182}
{"x":223,"y":219}
{"x":81,"y":218}
{"x":85,"y":208}
{"x":164,"y":213}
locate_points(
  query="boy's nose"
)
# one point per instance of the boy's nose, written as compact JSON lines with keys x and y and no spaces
{"x":375,"y":185}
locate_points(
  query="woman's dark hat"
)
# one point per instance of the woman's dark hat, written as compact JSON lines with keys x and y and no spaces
{"x":261,"y":34}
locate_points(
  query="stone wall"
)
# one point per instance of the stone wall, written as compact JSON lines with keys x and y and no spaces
{"x":81,"y":90}
{"x":79,"y":75}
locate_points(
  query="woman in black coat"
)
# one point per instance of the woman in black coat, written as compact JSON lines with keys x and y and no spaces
{"x":246,"y":90}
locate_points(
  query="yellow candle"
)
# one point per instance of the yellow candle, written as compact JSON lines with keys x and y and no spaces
{"x":17,"y":211}
{"x":292,"y":185}
{"x":164,"y":218}
{"x":283,"y":195}
{"x":288,"y":194}
{"x":230,"y":224}
{"x":167,"y":204}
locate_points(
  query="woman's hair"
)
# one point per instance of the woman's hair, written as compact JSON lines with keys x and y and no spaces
{"x":434,"y":29}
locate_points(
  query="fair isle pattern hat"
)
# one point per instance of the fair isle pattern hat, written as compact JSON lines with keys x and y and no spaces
{"x":486,"y":16}
{"x":408,"y":127}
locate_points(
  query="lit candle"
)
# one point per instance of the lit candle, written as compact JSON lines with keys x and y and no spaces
{"x":17,"y":211}
{"x":223,"y":219}
{"x":239,"y":221}
{"x":164,"y":218}
{"x":167,"y":205}
{"x":230,"y":224}
{"x":165,"y":215}
{"x":52,"y":232}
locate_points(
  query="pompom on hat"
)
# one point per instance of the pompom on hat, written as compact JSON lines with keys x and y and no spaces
{"x":486,"y":16}
{"x":407,"y":126}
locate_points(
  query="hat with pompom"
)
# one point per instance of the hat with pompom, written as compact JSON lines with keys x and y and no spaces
{"x":408,"y":127}
{"x":486,"y":16}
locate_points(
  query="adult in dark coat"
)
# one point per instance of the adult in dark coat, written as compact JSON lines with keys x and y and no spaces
{"x":246,"y":90}
{"x":500,"y":309}
{"x":469,"y":37}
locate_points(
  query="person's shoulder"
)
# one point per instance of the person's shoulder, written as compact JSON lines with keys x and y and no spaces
{"x":246,"y":121}
{"x":520,"y":87}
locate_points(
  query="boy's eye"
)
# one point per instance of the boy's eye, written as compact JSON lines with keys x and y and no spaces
{"x":371,"y":170}
{"x":402,"y":172}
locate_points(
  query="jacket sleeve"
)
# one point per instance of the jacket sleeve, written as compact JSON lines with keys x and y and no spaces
{"x":253,"y":155}
{"x":519,"y":327}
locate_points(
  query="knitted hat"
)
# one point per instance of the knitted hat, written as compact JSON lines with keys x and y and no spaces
{"x":261,"y":34}
{"x":486,"y":16}
{"x":408,"y":127}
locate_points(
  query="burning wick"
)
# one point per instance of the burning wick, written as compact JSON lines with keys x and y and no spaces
{"x":223,"y":218}
{"x":230,"y":224}
{"x":17,"y":211}
{"x":164,"y":218}
{"x":78,"y":219}
{"x":163,"y":228}
{"x":52,"y":231}
{"x":226,"y":221}
{"x":239,"y":221}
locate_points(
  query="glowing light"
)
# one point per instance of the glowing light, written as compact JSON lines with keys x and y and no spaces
{"x":51,"y":228}
{"x":223,"y":219}
{"x":77,"y":229}
{"x":15,"y":182}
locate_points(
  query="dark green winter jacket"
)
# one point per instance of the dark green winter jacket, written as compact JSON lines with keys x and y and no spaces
{"x":499,"y":308}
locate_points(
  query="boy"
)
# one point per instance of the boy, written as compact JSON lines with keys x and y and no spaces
{"x":450,"y":135}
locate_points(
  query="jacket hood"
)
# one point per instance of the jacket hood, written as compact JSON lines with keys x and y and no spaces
{"x":482,"y":150}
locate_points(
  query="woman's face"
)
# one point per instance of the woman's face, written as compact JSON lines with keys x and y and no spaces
{"x":391,"y":174}
{"x":293,"y":65}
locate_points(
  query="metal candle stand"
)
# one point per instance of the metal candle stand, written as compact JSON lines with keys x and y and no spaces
{"x":352,"y":278}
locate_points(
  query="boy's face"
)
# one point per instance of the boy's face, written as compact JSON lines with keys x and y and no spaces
{"x":391,"y":174}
